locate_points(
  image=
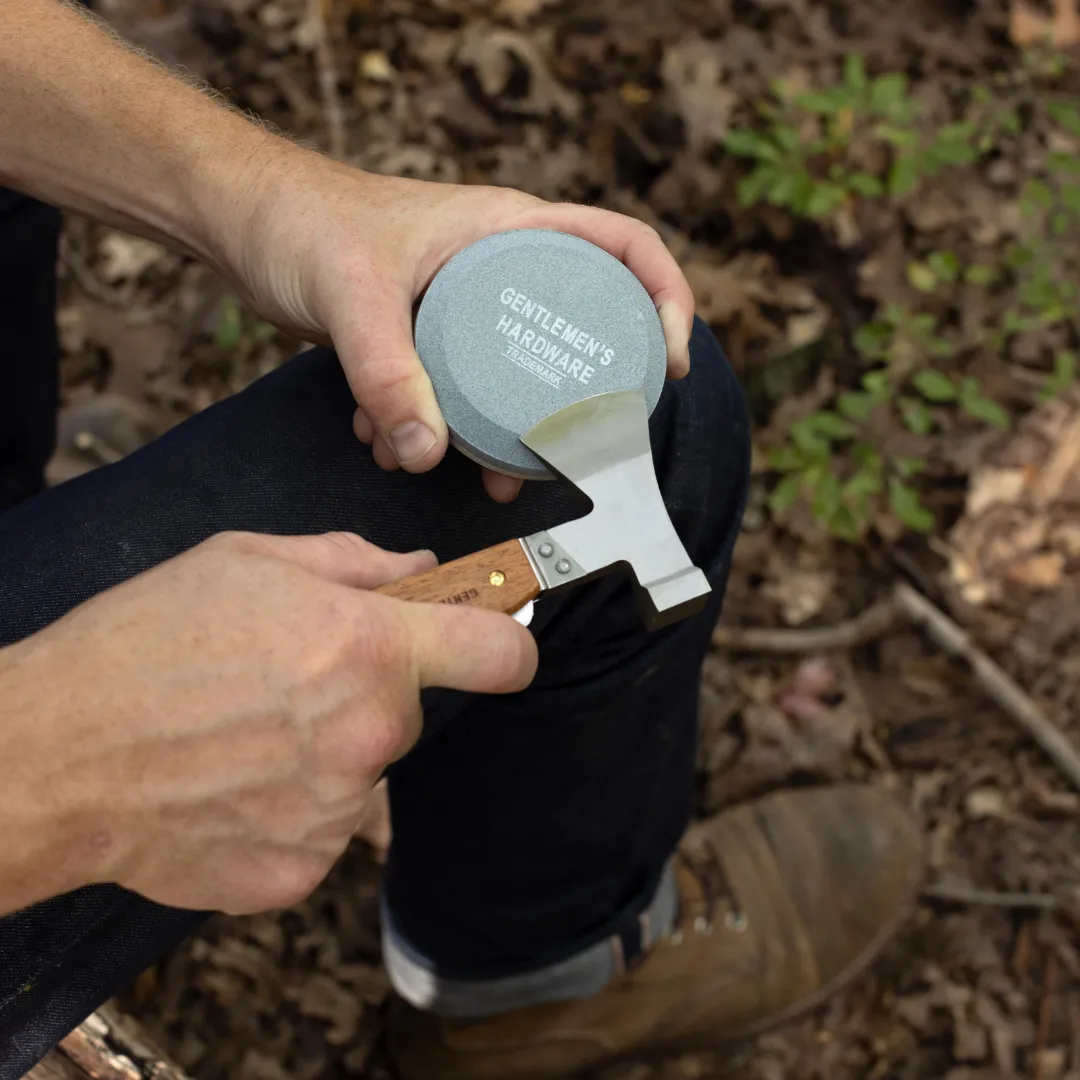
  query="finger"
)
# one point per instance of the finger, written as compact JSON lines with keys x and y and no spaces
{"x":384,"y":456}
{"x":491,"y":653}
{"x":346,"y":558}
{"x":362,"y":427}
{"x":645,"y":254}
{"x":389,"y":382}
{"x":500,"y":487}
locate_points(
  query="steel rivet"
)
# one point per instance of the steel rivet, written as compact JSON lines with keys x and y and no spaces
{"x":563,"y":566}
{"x":546,"y":551}
{"x":497,"y":578}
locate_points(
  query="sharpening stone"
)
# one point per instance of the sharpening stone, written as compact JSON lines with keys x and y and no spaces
{"x":525,"y":322}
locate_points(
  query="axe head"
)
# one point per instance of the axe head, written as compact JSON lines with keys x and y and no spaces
{"x":600,"y":444}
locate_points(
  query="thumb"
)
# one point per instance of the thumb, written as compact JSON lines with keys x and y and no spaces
{"x":390,"y":384}
{"x":471,"y":649}
{"x":346,"y":558}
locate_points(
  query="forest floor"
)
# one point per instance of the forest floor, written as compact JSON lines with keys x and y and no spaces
{"x":878,"y":207}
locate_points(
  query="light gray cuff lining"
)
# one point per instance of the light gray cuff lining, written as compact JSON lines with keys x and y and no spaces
{"x":415,"y":978}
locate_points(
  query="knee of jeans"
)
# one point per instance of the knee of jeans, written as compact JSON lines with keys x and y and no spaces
{"x":702,"y":448}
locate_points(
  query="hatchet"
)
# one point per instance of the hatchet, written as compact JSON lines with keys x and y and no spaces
{"x":600,"y":444}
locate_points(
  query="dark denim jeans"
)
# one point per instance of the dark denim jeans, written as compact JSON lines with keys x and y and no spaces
{"x":525,"y":827}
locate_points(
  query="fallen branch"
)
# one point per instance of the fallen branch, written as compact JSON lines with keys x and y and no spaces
{"x":326,"y":68}
{"x":106,"y":1046}
{"x":865,"y":627}
{"x":962,"y":894}
{"x":996,"y":682}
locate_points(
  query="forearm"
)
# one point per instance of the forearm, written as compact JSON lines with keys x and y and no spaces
{"x":90,"y":125}
{"x":46,"y":842}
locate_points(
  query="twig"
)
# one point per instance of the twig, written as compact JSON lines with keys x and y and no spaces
{"x":1042,"y":1032}
{"x":1004,"y":691}
{"x":326,"y":67}
{"x":962,"y":894}
{"x":870,"y":624}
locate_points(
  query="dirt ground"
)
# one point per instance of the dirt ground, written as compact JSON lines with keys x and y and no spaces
{"x":630,"y":105}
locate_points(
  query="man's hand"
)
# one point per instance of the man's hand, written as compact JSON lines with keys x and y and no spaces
{"x":338,"y":255}
{"x":208,"y":733}
{"x":331,"y":253}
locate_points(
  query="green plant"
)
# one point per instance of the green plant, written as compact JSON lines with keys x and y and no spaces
{"x":803,"y":153}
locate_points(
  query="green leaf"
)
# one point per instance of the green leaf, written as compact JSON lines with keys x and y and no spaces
{"x":908,"y":467}
{"x":898,"y":137}
{"x":872,"y":341}
{"x":905,"y":504}
{"x":1065,"y":115}
{"x":1065,"y":366}
{"x":945,"y":265}
{"x":1070,"y":196}
{"x":752,"y":188}
{"x":230,"y":326}
{"x":982,"y":408}
{"x":921,"y":277}
{"x":1063,"y":163}
{"x":950,"y":153}
{"x":862,"y":183}
{"x":864,"y":482}
{"x":832,"y":426}
{"x":876,"y":383}
{"x":1062,"y":377}
{"x":857,"y":406}
{"x":1060,"y":224}
{"x":855,"y":72}
{"x":825,"y":198}
{"x":787,"y":138}
{"x":786,"y":493}
{"x":934,"y":386}
{"x":916,"y":416}
{"x":903,"y":176}
{"x":866,"y":457}
{"x":848,"y":525}
{"x":808,"y":440}
{"x":887,"y":92}
{"x":1009,"y":122}
{"x":980,"y":275}
{"x":826,"y":102}
{"x":827,"y":498}
{"x":751,"y":144}
{"x":1036,"y":195}
{"x":784,"y":458}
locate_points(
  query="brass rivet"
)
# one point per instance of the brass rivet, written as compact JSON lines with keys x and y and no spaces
{"x":497,"y":578}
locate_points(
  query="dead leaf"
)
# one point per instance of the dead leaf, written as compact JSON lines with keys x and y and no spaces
{"x":324,"y":998}
{"x":123,"y":257}
{"x":520,"y":12}
{"x":694,"y":76}
{"x":1029,"y":26}
{"x":492,"y":53}
{"x":375,"y":65}
{"x":985,"y":802}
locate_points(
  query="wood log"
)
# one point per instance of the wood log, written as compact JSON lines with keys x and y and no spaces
{"x":107,"y":1045}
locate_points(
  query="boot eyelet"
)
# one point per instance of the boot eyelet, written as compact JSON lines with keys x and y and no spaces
{"x":736,"y":921}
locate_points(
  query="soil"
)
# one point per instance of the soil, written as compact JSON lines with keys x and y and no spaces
{"x":626,"y":105}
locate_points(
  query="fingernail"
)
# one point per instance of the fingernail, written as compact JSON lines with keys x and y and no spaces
{"x":677,"y":335}
{"x":411,"y":441}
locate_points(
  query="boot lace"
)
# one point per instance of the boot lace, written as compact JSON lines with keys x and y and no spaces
{"x":708,"y":868}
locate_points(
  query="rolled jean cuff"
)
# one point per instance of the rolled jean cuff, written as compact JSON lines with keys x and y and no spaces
{"x":582,"y":975}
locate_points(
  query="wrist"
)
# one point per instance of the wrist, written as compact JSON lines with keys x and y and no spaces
{"x":53,"y":841}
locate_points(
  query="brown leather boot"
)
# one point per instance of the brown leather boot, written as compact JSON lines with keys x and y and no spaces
{"x":783,"y":901}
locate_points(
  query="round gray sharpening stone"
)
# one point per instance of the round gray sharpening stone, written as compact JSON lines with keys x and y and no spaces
{"x":523,"y":323}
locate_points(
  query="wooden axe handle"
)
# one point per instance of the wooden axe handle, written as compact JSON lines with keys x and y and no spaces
{"x":499,"y":578}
